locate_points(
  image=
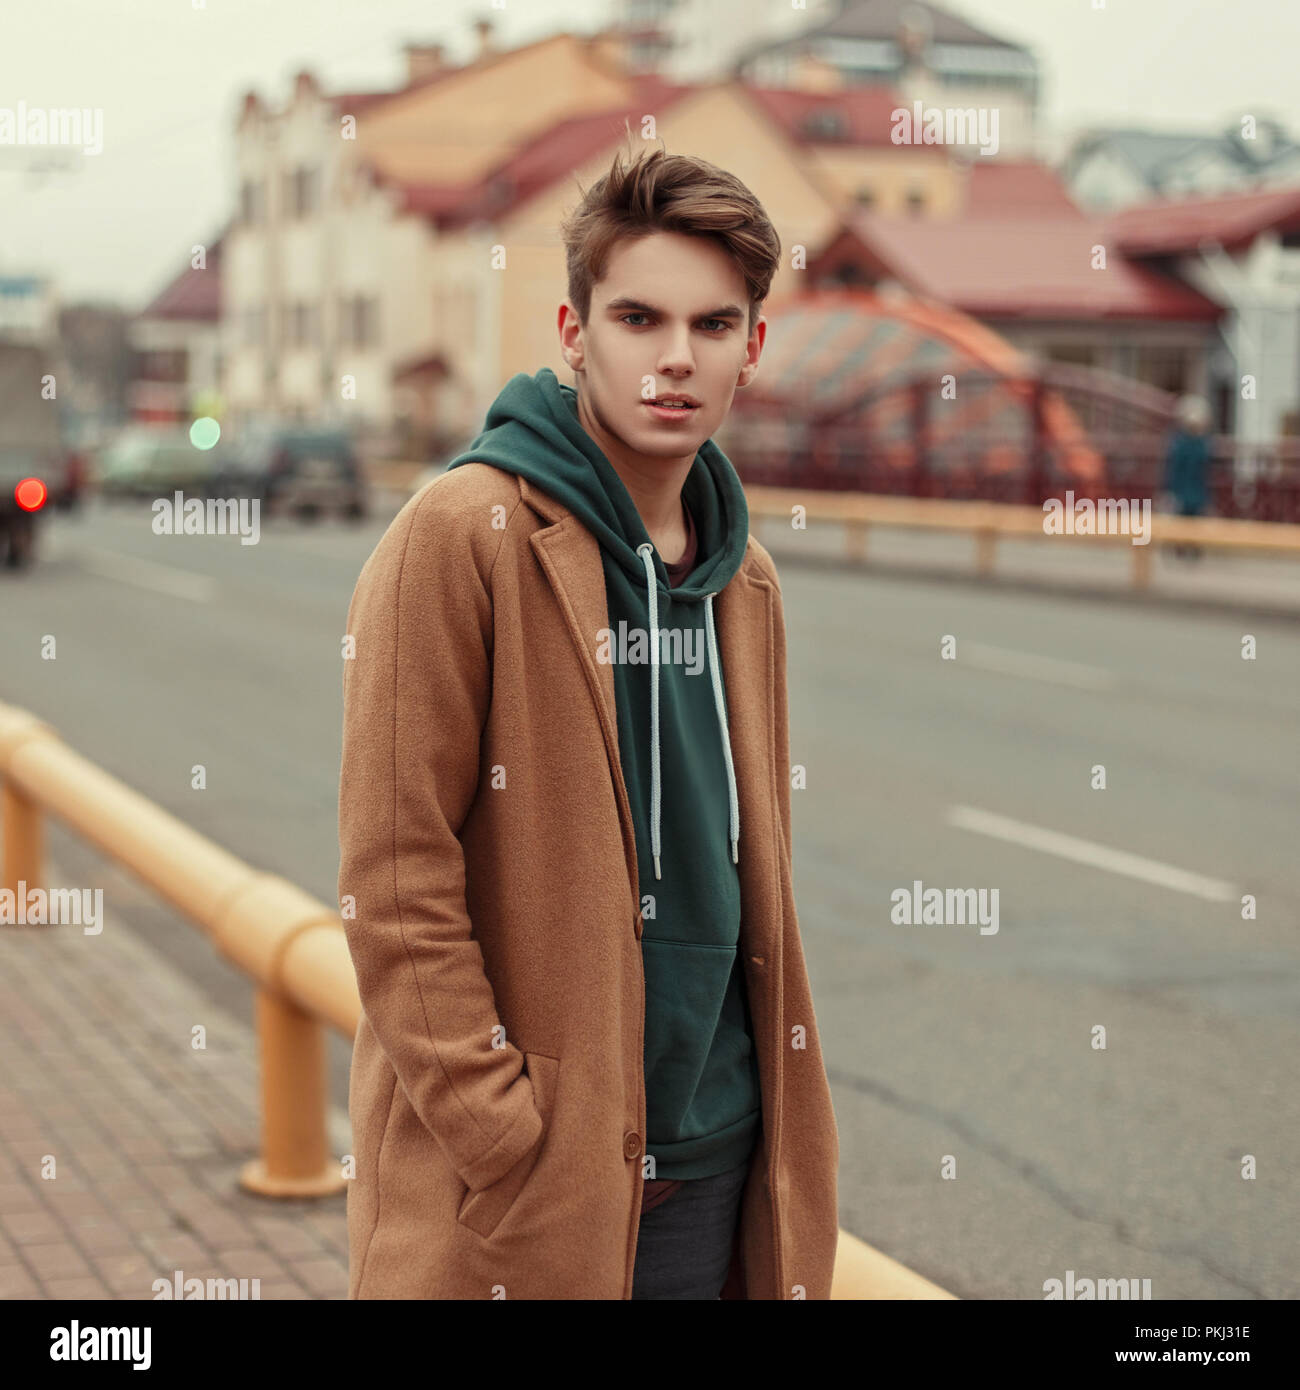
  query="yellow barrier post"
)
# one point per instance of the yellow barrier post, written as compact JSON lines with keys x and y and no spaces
{"x":23,"y":840}
{"x":295,"y":1159}
{"x":862,"y":1272}
{"x":22,"y":823}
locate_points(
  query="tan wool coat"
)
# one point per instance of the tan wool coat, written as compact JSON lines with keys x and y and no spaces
{"x":489,"y":886}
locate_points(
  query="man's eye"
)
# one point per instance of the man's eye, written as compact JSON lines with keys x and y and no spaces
{"x":722,"y":323}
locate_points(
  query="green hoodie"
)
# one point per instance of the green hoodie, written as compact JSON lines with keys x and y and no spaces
{"x":703,"y":1107}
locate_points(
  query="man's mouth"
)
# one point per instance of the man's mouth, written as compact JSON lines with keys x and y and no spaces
{"x":667,"y":408}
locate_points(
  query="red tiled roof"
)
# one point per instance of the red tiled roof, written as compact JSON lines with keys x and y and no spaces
{"x":536,"y":165}
{"x":1025,"y":187}
{"x":865,"y":113}
{"x":356,"y":100}
{"x":1037,"y":268}
{"x":193,"y":294}
{"x":1177,"y":226}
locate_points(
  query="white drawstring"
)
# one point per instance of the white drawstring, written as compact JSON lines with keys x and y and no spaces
{"x":646,"y":551}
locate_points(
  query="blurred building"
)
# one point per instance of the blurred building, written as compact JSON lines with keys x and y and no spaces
{"x":1242,"y":252}
{"x":922,"y":52}
{"x":175,"y":343}
{"x":1110,"y":169}
{"x":703,"y":40}
{"x":1019,"y":257}
{"x":1185,"y":295}
{"x":29,"y":309}
{"x":94,"y":342}
{"x":396,"y":256}
{"x":362,"y":245}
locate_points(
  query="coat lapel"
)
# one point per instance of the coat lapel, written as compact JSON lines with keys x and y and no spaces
{"x":570,"y":558}
{"x":743,"y":613}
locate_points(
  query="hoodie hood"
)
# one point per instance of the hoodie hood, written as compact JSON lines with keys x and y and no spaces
{"x":532,"y":429}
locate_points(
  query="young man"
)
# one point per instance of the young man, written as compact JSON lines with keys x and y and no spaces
{"x":588,"y":1064}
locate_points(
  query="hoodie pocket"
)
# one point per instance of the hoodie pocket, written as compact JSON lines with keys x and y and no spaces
{"x":483,"y":1211}
{"x":697,"y":1044}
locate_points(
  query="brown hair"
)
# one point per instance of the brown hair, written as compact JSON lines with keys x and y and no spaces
{"x":664,"y":192}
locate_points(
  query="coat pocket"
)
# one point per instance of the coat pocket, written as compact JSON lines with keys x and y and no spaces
{"x":483,"y":1211}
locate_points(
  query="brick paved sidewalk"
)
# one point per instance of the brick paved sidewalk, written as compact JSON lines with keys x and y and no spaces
{"x":147,"y":1134}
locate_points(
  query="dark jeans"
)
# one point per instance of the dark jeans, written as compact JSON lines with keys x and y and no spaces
{"x":683,"y":1247}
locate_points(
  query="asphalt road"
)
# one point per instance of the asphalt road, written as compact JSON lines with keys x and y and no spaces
{"x":950,"y":1050}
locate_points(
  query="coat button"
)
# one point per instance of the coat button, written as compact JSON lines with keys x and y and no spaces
{"x":631,"y":1144}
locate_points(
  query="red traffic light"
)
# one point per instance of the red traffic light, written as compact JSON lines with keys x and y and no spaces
{"x":30,"y":494}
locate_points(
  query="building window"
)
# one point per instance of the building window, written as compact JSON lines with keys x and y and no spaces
{"x":825,"y":123}
{"x":299,"y":324}
{"x":1167,"y":367}
{"x":301,"y":192}
{"x":359,"y":321}
{"x":305,"y":325}
{"x":250,"y":202}
{"x":254,"y":325}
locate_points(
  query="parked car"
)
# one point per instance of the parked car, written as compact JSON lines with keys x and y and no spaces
{"x":153,"y":461}
{"x":33,"y":449}
{"x":294,"y":468}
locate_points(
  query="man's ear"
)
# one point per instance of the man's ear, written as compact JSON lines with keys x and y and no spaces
{"x":747,"y":372}
{"x":572,"y":354}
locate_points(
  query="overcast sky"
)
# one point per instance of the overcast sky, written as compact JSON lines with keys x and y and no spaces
{"x":169,"y":79}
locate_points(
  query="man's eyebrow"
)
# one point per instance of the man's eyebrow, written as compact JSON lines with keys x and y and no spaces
{"x":626,"y":304}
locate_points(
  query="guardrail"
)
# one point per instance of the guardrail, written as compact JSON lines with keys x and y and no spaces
{"x":990,"y":522}
{"x":289,"y":943}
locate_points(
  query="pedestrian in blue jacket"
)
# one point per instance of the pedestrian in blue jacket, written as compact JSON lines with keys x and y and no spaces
{"x":1187,"y":463}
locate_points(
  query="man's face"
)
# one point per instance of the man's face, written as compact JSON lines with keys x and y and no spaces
{"x":669,"y":316}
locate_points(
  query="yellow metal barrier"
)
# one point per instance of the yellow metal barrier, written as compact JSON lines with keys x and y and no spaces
{"x":991,"y":521}
{"x":291,"y":944}
{"x":863,"y":1272}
